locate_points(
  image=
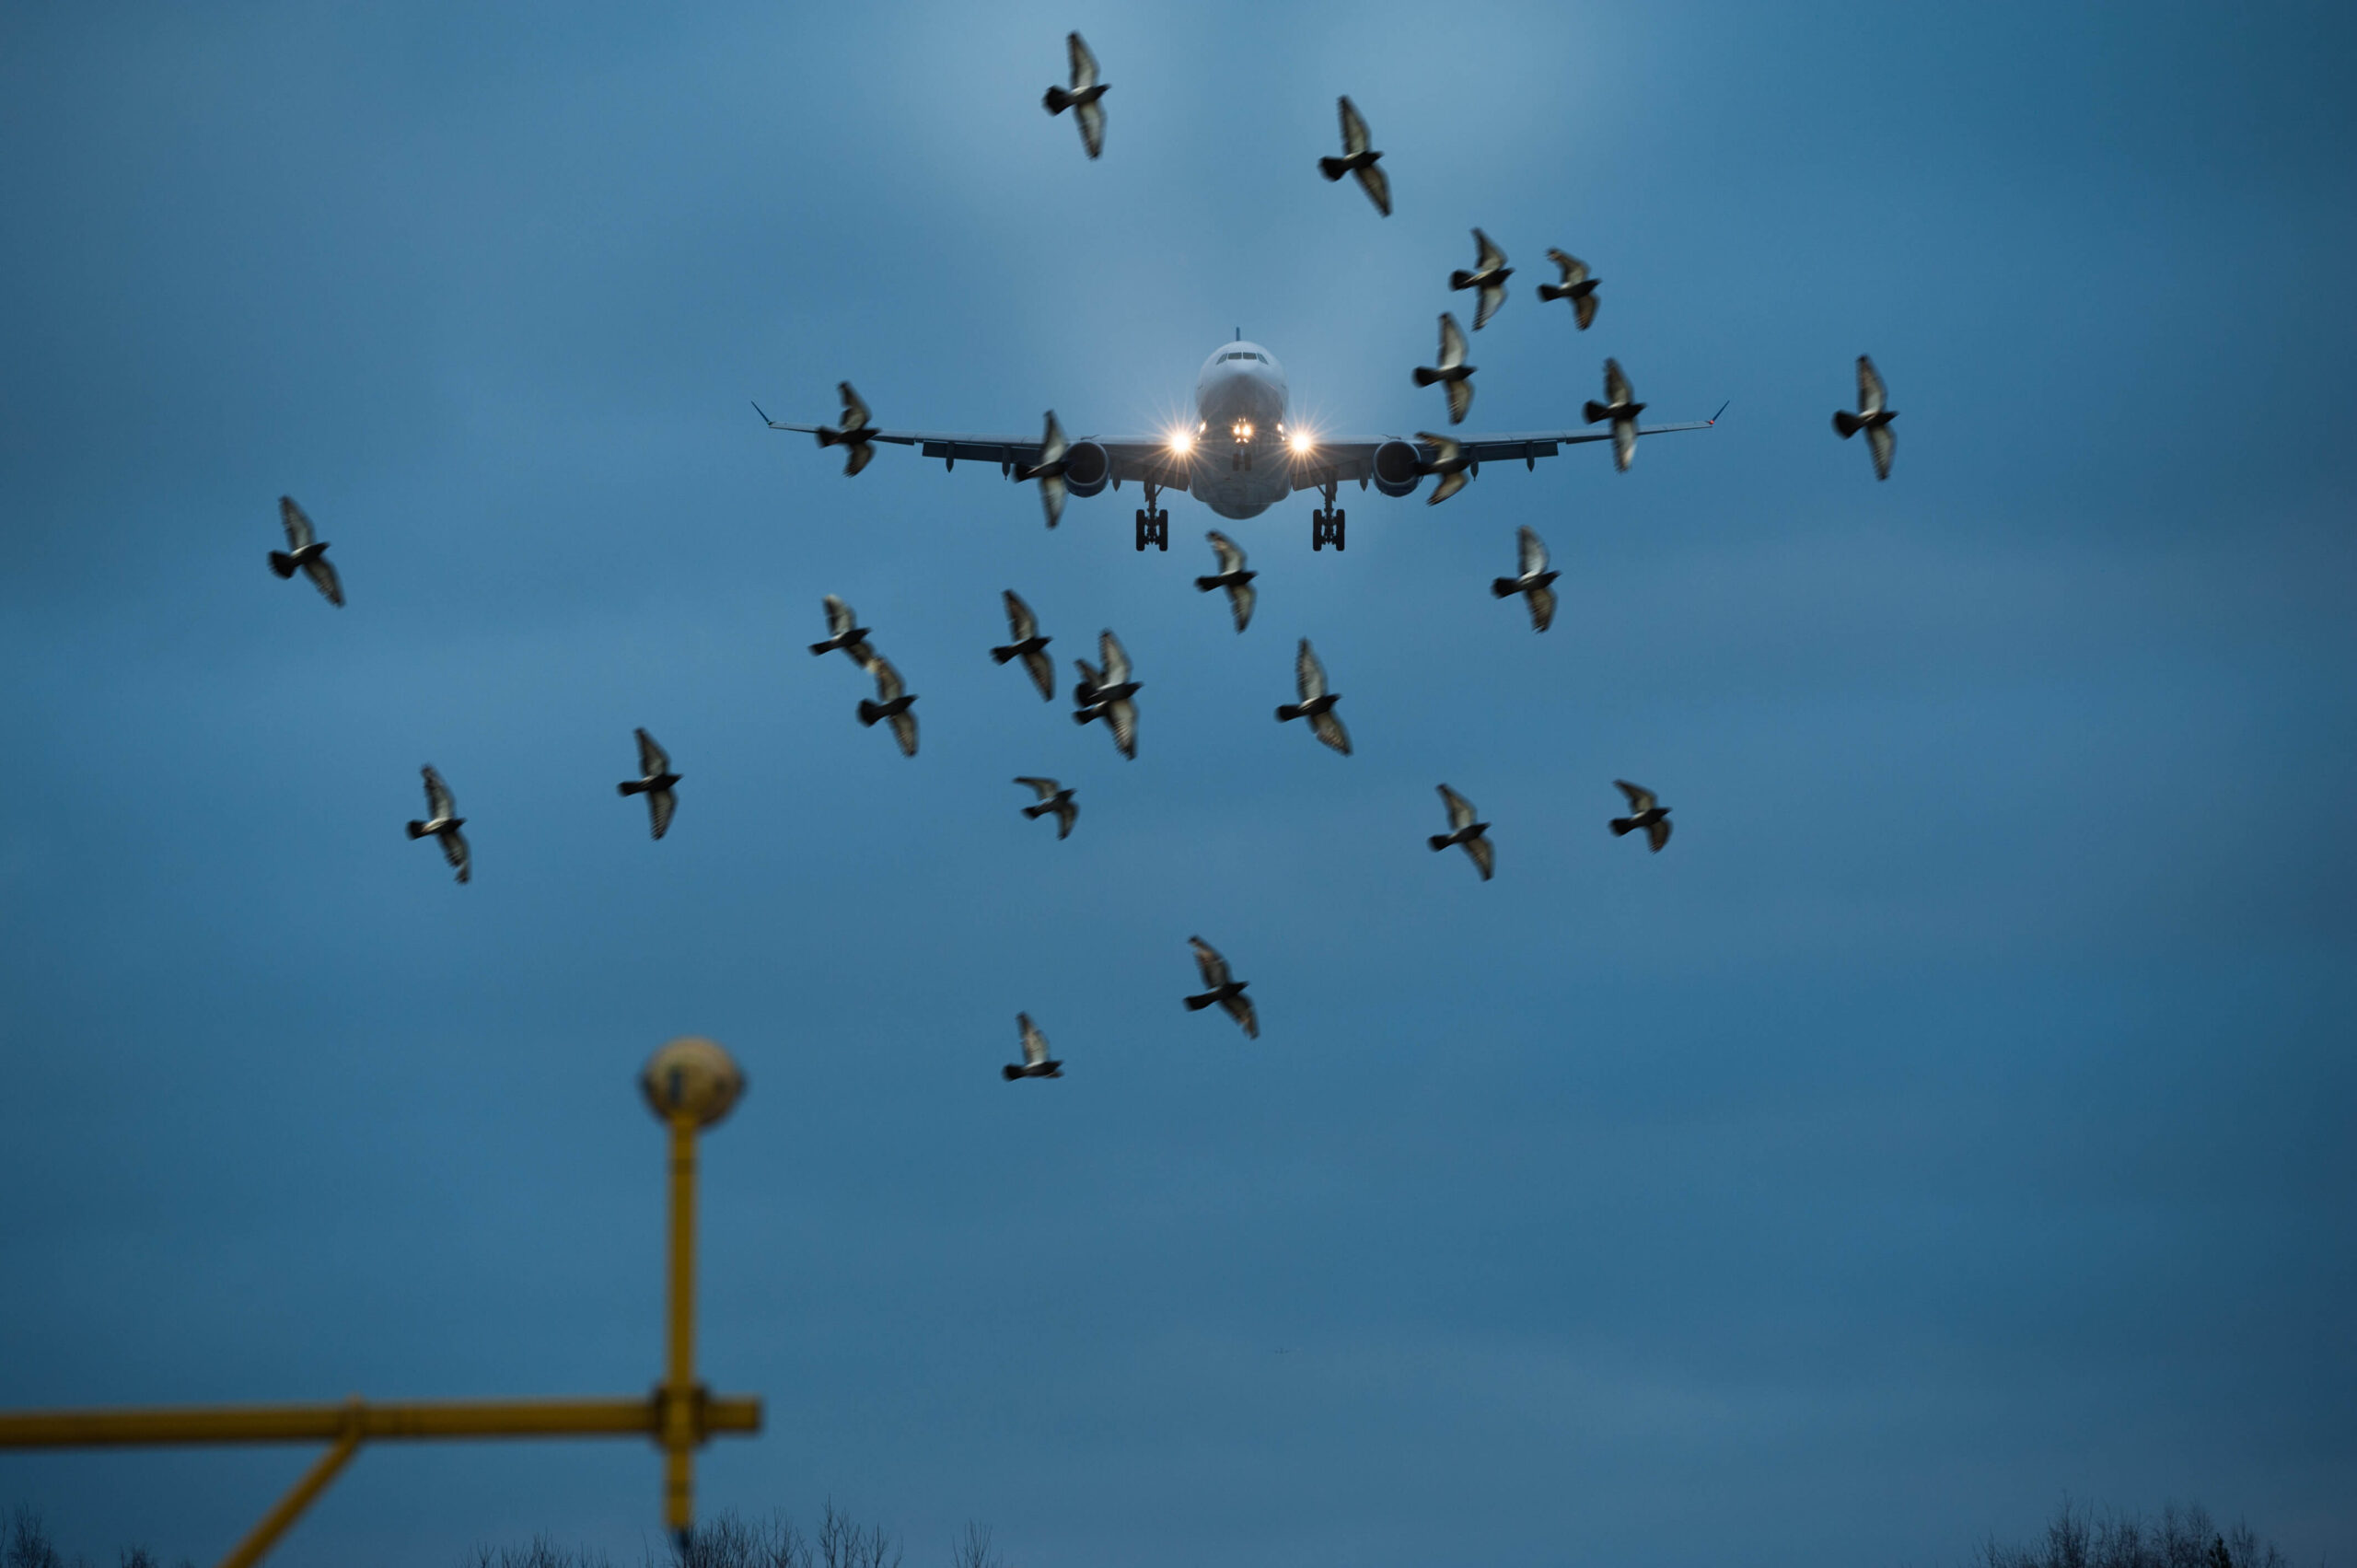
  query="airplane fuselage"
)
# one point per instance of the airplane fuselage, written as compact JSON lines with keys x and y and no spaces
{"x":1238,"y":462}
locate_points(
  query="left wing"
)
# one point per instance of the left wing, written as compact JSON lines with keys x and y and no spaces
{"x":1139,"y":458}
{"x":1343,"y":458}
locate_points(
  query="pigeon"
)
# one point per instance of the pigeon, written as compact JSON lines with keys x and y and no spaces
{"x":1449,"y":461}
{"x":1360,"y":159}
{"x":1453,"y":371}
{"x":1577,"y":287}
{"x":856,"y":435}
{"x":1222,"y":987}
{"x":1052,"y":797}
{"x":1108,"y":693}
{"x":655,"y":764}
{"x":306,"y":551}
{"x":1029,"y":645}
{"x":1049,"y":470}
{"x":1489,"y":274}
{"x":849,"y":634}
{"x":1232,"y":577}
{"x":1081,"y":98}
{"x":1872,"y":417}
{"x":1465,"y":833}
{"x":443,"y":821}
{"x":1316,"y":704}
{"x":1644,"y":811}
{"x":1036,"y":1060}
{"x":1622,"y":409}
{"x":894,"y":706}
{"x":1533,"y":583}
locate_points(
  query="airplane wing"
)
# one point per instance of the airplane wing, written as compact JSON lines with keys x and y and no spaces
{"x":1339,"y":459}
{"x":1137,"y":459}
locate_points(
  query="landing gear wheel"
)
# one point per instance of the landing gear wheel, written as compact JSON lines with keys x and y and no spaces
{"x":1325,"y":528}
{"x":1143,"y":530}
{"x":1162,"y":532}
{"x":1340,"y":515}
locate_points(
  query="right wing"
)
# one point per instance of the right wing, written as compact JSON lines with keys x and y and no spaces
{"x":1143,"y":460}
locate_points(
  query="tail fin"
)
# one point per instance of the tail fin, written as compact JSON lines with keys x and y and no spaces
{"x":1595,"y":410}
{"x":1553,"y":291}
{"x":1505,"y":587}
{"x":1333,"y":167}
{"x":1425,"y":378}
{"x":1844,"y":423}
{"x":1001,"y":655}
{"x":282,"y":563}
{"x":869,"y":713}
{"x":1286,"y":713}
{"x":1621,"y":825}
{"x":1439,"y":842}
{"x":417,"y":829}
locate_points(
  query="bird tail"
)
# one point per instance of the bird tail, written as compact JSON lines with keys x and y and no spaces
{"x":1333,"y":167}
{"x":632,"y":786}
{"x":1035,"y":812}
{"x":1426,"y":376}
{"x":1844,"y":423}
{"x":1081,"y":715}
{"x":822,"y":649}
{"x":1207,"y":584}
{"x":1553,"y":291}
{"x":1010,"y":1071}
{"x":828,"y":434}
{"x":1622,"y":825}
{"x":1287,"y":712}
{"x":282,"y":563}
{"x":869,"y":713}
{"x":417,"y":829}
{"x":1505,"y":587}
{"x":1439,"y":843}
{"x":1001,"y":655}
{"x":1057,"y":101}
{"x":1595,"y":410}
{"x":1197,"y":1003}
{"x":1461,"y":278}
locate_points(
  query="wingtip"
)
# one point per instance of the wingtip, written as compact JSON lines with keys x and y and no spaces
{"x":1715,"y":418}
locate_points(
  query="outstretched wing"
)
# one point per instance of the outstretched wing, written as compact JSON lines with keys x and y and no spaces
{"x":440,"y":805}
{"x":1616,"y":390}
{"x":323,"y":577}
{"x":1461,"y":810}
{"x":839,"y":618}
{"x":1377,"y":186}
{"x":1542,"y":607}
{"x":1881,"y":438}
{"x":1052,"y":445}
{"x":660,"y":804}
{"x":1584,"y":308}
{"x":1641,"y":799}
{"x":1452,"y":342}
{"x":651,"y":758}
{"x":1624,"y":444}
{"x":1308,"y":675}
{"x":1657,"y":833}
{"x":1533,"y":552}
{"x":1355,"y":137}
{"x":1090,"y":117}
{"x":1240,"y":599}
{"x":1239,"y":1007}
{"x":904,"y":730}
{"x":1208,"y":963}
{"x":1116,"y":657}
{"x":1450,"y":483}
{"x":1084,"y":63}
{"x":1575,"y":270}
{"x":855,"y":414}
{"x":887,"y":679}
{"x":1231,"y":558}
{"x":1123,"y":715}
{"x":1491,"y":257}
{"x":1044,"y":788}
{"x":1484,"y":854}
{"x":1034,"y":1044}
{"x":299,"y":531}
{"x":1492,"y":295}
{"x":1042,"y":671}
{"x":1871,"y":395}
{"x":459,"y":853}
{"x":1460,"y":401}
{"x":1446,"y":448}
{"x":1021,"y":625}
{"x":1329,"y":728}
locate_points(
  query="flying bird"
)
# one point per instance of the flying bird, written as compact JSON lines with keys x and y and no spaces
{"x":1873,"y":417}
{"x":1359,"y":157}
{"x":1053,"y":798}
{"x":1049,"y":470}
{"x":1222,"y":987}
{"x":1621,"y":407}
{"x":847,"y":633}
{"x":1036,"y":1060}
{"x":855,"y":436}
{"x":306,"y":551}
{"x":1029,"y":645}
{"x":1082,"y":97}
{"x":1577,"y":287}
{"x":894,"y":705}
{"x":1316,"y":704}
{"x":655,"y":782}
{"x":1108,"y":693}
{"x":1232,"y":577}
{"x":1465,"y":833}
{"x":1449,"y":461}
{"x":443,"y":821}
{"x":1533,"y":583}
{"x":1644,"y":811}
{"x":1459,"y":376}
{"x":1489,"y":274}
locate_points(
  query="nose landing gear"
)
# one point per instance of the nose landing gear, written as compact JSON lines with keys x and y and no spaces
{"x":1154,"y":527}
{"x":1326,"y":523}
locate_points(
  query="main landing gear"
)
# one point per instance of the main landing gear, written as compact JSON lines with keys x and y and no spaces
{"x":1154,"y":527}
{"x":1325,"y":524}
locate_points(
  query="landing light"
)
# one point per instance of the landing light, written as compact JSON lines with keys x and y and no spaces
{"x":1181,"y":440}
{"x":1300,"y":441}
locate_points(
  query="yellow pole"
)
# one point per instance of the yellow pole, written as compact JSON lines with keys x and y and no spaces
{"x":315,"y":1480}
{"x":680,"y":1423}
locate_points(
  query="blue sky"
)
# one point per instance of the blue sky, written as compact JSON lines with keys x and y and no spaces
{"x":1957,"y":1115}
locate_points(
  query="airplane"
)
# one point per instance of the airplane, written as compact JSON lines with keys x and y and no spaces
{"x":1240,"y":459}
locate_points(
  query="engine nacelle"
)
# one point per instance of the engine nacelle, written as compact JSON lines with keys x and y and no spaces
{"x":1088,"y":468}
{"x":1397,"y":468}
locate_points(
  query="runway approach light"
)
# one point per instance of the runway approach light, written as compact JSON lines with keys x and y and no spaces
{"x":690,"y":1084}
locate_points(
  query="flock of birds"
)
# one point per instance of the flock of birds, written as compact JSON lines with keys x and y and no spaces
{"x":1107,"y":690}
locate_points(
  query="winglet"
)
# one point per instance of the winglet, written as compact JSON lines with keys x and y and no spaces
{"x":1715,"y":418}
{"x":765,"y":418}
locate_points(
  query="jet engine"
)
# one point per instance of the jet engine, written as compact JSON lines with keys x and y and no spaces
{"x":1397,"y":468}
{"x":1087,"y":467}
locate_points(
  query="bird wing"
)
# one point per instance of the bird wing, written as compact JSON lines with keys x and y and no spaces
{"x":1542,"y":607}
{"x":1051,"y":497}
{"x":839,"y":618}
{"x":1308,"y":675}
{"x":1445,"y":449}
{"x":1461,"y":810}
{"x":1639,"y":797}
{"x":1377,"y":186}
{"x":1452,"y":342}
{"x":660,"y":804}
{"x":1585,"y":308}
{"x":1657,"y":833}
{"x":1021,"y":625}
{"x":1575,"y":270}
{"x":1090,"y":117}
{"x":1084,"y":63}
{"x":1460,"y":401}
{"x":323,"y":576}
{"x":1052,"y":445}
{"x":1616,"y":390}
{"x":1116,"y":657}
{"x":904,"y":730}
{"x":1329,"y":728}
{"x":1044,"y":788}
{"x":1239,"y":1007}
{"x":1241,"y":598}
{"x":855,"y":414}
{"x":455,"y":850}
{"x":1484,"y":854}
{"x":1067,"y":813}
{"x":1090,"y":676}
{"x":1208,"y":963}
{"x":1881,"y":438}
{"x":440,"y":805}
{"x":1034,"y":1044}
{"x":299,"y":531}
{"x":651,"y":758}
{"x":1450,"y":483}
{"x":858,"y":456}
{"x":1871,"y":394}
{"x":1533,"y":550}
{"x":887,"y":679}
{"x":1231,"y":559}
{"x":1624,"y":444}
{"x":1123,"y":715}
{"x":1491,"y":257}
{"x":1043,"y":673}
{"x":1355,"y":137}
{"x":1492,"y":295}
